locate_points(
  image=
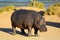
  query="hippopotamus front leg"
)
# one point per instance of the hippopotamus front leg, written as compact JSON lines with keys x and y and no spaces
{"x":36,"y":31}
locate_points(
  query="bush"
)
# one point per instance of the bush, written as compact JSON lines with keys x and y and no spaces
{"x":7,"y":8}
{"x":37,"y":4}
{"x":54,"y":9}
{"x":10,"y":7}
{"x":50,"y":10}
{"x":58,"y":4}
{"x":3,"y":9}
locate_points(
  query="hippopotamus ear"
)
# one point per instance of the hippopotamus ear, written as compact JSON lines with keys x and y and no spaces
{"x":37,"y":19}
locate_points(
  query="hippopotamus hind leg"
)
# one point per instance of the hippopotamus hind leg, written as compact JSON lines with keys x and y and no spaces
{"x":13,"y":28}
{"x":29,"y":31}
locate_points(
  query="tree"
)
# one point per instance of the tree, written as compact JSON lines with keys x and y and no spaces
{"x":33,"y":2}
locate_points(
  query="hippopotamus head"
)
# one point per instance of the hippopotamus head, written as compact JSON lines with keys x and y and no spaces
{"x":40,"y":24}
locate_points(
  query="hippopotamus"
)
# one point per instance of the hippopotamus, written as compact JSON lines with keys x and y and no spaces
{"x":28,"y":19}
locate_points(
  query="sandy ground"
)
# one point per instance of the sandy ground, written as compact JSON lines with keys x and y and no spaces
{"x":53,"y":26}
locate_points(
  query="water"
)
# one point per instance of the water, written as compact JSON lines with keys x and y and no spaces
{"x":15,"y":4}
{"x":24,"y":2}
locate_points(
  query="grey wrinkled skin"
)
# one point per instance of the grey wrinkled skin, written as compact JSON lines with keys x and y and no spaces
{"x":28,"y":19}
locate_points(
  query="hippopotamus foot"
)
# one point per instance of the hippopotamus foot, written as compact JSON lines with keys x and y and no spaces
{"x":14,"y":30}
{"x":36,"y":35}
{"x":29,"y":35}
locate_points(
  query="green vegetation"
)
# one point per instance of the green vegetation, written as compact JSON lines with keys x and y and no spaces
{"x":54,"y":9}
{"x":7,"y":8}
{"x":37,"y":4}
